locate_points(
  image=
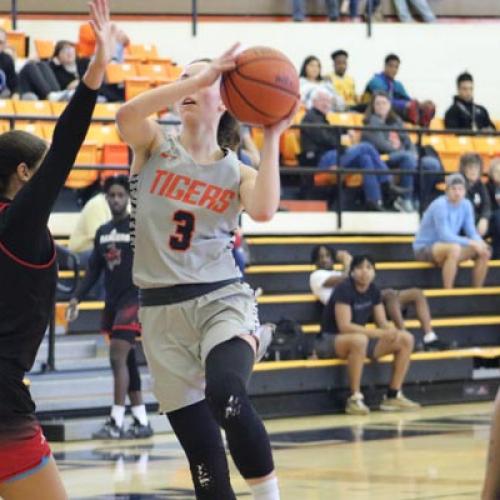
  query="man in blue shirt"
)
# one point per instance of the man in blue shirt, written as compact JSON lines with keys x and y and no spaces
{"x":439,"y":238}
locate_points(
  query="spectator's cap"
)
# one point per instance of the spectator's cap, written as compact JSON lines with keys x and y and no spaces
{"x":454,"y":179}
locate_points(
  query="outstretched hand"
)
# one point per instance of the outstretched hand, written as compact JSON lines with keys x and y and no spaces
{"x":226,"y":62}
{"x":104,"y":30}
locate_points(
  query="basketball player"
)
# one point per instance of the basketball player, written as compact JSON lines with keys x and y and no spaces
{"x":491,"y":487}
{"x":113,"y":255}
{"x":30,"y":180}
{"x":199,"y":320}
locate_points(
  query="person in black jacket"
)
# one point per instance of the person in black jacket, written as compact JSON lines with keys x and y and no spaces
{"x":30,"y":180}
{"x":8,"y":75}
{"x":471,"y":167}
{"x":464,"y":113}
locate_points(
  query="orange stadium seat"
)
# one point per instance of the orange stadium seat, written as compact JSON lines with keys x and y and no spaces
{"x":487,"y":147}
{"x":117,"y":73}
{"x":57,"y":107}
{"x":32,"y":108}
{"x":114,"y":154}
{"x":78,"y":179}
{"x":6,"y":107}
{"x":437,"y":124}
{"x":106,"y":110}
{"x":103,"y":134}
{"x":141,"y":52}
{"x":4,"y":126}
{"x":136,"y":86}
{"x":153,"y":71}
{"x":48,"y":130}
{"x":33,"y":128}
{"x":6,"y":23}
{"x":17,"y":40}
{"x":44,"y":48}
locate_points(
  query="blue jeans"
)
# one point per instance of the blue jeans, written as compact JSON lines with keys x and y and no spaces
{"x":407,"y":160}
{"x":421,"y":6}
{"x":362,"y":155}
{"x":298,"y":6}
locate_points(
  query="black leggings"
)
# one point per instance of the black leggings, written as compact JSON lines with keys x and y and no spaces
{"x":38,"y":78}
{"x":228,"y":369}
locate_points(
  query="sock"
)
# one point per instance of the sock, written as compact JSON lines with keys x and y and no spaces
{"x":139,"y":412}
{"x":118,"y":413}
{"x":430,"y":337}
{"x":268,"y":490}
{"x":392,"y":393}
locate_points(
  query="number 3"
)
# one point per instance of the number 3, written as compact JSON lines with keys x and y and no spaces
{"x":181,"y":239}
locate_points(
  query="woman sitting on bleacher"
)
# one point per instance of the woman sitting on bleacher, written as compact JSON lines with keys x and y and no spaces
{"x":402,"y":152}
{"x":345,"y":336}
{"x":493,"y":187}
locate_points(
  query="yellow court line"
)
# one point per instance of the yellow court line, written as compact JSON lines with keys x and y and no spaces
{"x":380,"y":266}
{"x":317,"y":240}
{"x":474,"y":352}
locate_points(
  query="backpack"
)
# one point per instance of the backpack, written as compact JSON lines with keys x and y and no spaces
{"x":289,"y":342}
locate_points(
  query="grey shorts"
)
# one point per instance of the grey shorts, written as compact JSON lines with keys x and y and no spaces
{"x":424,"y":254}
{"x":324,"y":346}
{"x":178,"y":337}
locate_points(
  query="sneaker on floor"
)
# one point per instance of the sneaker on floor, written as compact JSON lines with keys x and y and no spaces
{"x":138,"y":431}
{"x":355,"y":405}
{"x":399,"y":403}
{"x":109,"y":430}
{"x":436,"y":345}
{"x":265,"y":336}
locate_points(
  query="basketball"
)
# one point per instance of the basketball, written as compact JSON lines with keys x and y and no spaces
{"x":263,"y":88}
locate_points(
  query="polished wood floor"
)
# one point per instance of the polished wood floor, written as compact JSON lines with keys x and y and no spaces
{"x":436,"y":453}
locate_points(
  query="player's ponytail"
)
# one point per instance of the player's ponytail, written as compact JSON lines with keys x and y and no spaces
{"x":16,"y":147}
{"x":228,"y":132}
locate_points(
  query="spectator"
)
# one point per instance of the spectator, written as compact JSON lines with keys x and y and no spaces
{"x":408,"y":109}
{"x":402,"y":152}
{"x":324,"y":280}
{"x":311,"y":79}
{"x":342,"y":83}
{"x":37,"y":81}
{"x":67,"y":69}
{"x":320,"y":149}
{"x":299,"y":9}
{"x":464,"y":113}
{"x":493,"y":187}
{"x":344,"y":335}
{"x":471,"y":167}
{"x":8,"y":75}
{"x":420,"y":6}
{"x":438,"y":240}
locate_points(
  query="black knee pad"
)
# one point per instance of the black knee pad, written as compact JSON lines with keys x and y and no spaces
{"x":246,"y":436}
{"x":133,"y":372}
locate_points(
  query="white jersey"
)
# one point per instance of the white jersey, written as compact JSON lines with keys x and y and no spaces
{"x":184,"y":216}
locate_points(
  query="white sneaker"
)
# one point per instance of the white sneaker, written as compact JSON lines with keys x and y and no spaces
{"x":399,"y":403}
{"x":355,"y":405}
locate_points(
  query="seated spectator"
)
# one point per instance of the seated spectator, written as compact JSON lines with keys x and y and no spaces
{"x":344,"y":335}
{"x":343,"y":84}
{"x":8,"y":75}
{"x":471,"y":167}
{"x":493,"y":187}
{"x":407,"y":108}
{"x":37,"y":81}
{"x":438,"y":240}
{"x":324,"y":280}
{"x":66,"y":67}
{"x":311,"y":80}
{"x":299,"y":9}
{"x":420,"y":6}
{"x":319,"y":148}
{"x":464,"y":113}
{"x":402,"y":152}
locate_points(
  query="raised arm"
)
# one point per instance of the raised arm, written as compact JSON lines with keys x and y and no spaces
{"x":25,"y":221}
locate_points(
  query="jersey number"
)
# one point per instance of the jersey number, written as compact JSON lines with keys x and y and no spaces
{"x":181,"y":239}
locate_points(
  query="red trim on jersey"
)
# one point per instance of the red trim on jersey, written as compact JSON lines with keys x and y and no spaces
{"x":20,"y":456}
{"x":135,"y":327}
{"x":22,"y":262}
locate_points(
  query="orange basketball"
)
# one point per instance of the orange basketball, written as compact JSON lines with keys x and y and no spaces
{"x":263,"y":88}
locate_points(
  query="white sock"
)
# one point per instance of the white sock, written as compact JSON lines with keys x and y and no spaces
{"x":139,"y":412}
{"x":268,"y":490}
{"x":118,"y":414}
{"x":430,"y":337}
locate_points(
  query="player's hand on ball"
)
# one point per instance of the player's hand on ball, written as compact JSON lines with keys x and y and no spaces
{"x":72,"y":311}
{"x":282,"y":125}
{"x":226,"y":62}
